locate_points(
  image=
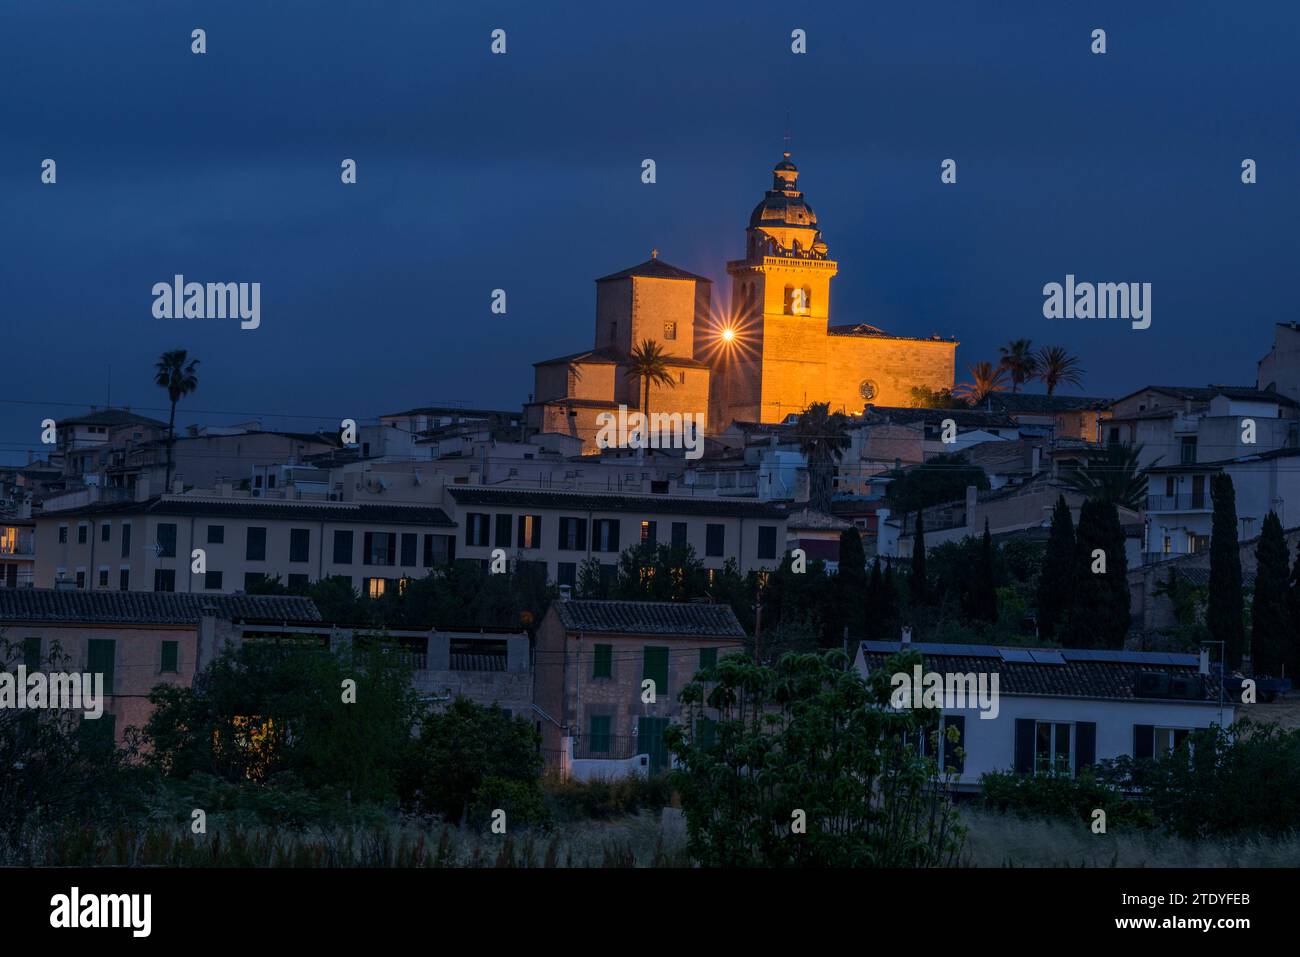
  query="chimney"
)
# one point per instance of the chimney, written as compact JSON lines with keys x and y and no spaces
{"x":907,"y":635}
{"x":1205,"y":662}
{"x":1036,"y":460}
{"x":178,"y":486}
{"x":206,"y":649}
{"x":566,"y":592}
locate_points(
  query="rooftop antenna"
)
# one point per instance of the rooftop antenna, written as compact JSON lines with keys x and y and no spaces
{"x":787,"y":133}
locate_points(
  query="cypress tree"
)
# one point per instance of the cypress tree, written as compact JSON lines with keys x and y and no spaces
{"x":920,"y":592}
{"x":1116,"y":575}
{"x":983,"y":601}
{"x":1292,"y":654}
{"x":1226,"y":604}
{"x":888,"y":603}
{"x":1056,"y":581}
{"x":1270,"y":617}
{"x":850,"y":583}
{"x":875,"y":598}
{"x":1099,"y":610}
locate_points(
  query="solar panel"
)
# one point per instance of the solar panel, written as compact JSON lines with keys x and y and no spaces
{"x":1079,"y":654}
{"x":1047,"y":657}
{"x":1017,"y":655}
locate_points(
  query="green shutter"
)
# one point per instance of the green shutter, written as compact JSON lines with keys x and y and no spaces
{"x":99,"y":660}
{"x":599,"y":742}
{"x":708,"y":657}
{"x":656,"y":668}
{"x":604,"y":667}
{"x":170,"y":653}
{"x":32,"y":653}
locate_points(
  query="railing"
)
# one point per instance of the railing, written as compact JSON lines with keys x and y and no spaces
{"x":1185,"y":502}
{"x":610,"y":747}
{"x":25,"y":545}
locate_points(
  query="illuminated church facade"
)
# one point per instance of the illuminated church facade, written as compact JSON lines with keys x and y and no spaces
{"x":770,"y":355}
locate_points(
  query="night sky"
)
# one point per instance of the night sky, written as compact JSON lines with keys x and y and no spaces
{"x":523,"y":172}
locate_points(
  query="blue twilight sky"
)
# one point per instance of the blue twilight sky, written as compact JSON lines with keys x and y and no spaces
{"x":523,"y":172}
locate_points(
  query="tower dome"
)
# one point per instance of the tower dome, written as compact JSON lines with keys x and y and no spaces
{"x":783,"y":223}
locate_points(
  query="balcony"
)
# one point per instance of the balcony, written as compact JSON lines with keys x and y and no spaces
{"x":1184,"y":502}
{"x":21,"y":546}
{"x":611,"y":747}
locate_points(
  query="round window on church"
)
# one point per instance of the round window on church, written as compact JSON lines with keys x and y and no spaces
{"x":867,"y":390}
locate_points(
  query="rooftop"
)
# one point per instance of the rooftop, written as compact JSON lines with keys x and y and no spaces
{"x":147,"y":608}
{"x":111,"y":417}
{"x":654,"y":268}
{"x":615,"y":502}
{"x":649,"y":618}
{"x":253,"y":508}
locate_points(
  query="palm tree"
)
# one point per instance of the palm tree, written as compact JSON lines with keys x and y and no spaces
{"x":1056,"y":366}
{"x":649,"y":364}
{"x":986,"y":378}
{"x":1112,"y":476}
{"x":1019,"y":361}
{"x":173,"y":373}
{"x":823,"y":436}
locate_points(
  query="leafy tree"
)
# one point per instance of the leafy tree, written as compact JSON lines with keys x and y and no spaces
{"x":799,"y":600}
{"x":652,"y":571}
{"x":649,"y":364}
{"x":178,"y":374}
{"x":469,"y":753}
{"x":823,"y":437}
{"x":1057,"y":367}
{"x":944,"y":478}
{"x":269,"y":707}
{"x":1271,"y":626}
{"x":923,"y":397}
{"x":985,"y":379}
{"x":809,"y":736}
{"x":1020,"y":362}
{"x":1225,"y":613}
{"x":917,"y":584}
{"x":1056,"y":582}
{"x":1113,"y":476}
{"x":591,"y":581}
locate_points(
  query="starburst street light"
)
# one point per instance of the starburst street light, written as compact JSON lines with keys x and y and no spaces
{"x":728,"y":334}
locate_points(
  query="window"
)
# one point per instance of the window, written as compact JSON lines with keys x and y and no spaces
{"x":212,"y":581}
{"x":679,"y":533}
{"x":715,"y":538}
{"x":410,"y":543}
{"x":708,"y":657}
{"x":255,"y":545}
{"x":566,"y":573}
{"x":1187,"y":450}
{"x":1052,"y":747}
{"x":655,"y":667}
{"x":166,"y":540}
{"x":374,"y":587}
{"x":63,"y":534}
{"x":1169,"y":739}
{"x":670,"y":330}
{"x":604,"y":535}
{"x":252,"y":580}
{"x":126,"y":539}
{"x":648,"y":533}
{"x":573,"y":534}
{"x":298,"y":583}
{"x":476,"y":528}
{"x":438,"y":550}
{"x":503,"y":525}
{"x":106,"y":532}
{"x":100,"y":653}
{"x":299,"y":544}
{"x":216,"y":534}
{"x":170,"y":657}
{"x":530,"y":531}
{"x":81,"y":578}
{"x":604,"y":665}
{"x":767,"y":541}
{"x":82,"y":532}
{"x":32,"y":653}
{"x":164,"y":579}
{"x":124,"y":579}
{"x":599,"y":743}
{"x":379,"y":548}
{"x":103,"y":578}
{"x":342,"y":547}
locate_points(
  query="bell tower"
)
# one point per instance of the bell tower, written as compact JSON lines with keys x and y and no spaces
{"x":780,"y":295}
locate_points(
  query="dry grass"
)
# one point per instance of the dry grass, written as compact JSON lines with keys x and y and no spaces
{"x":1285,"y":710}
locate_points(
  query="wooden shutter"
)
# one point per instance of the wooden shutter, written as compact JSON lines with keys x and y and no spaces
{"x":603,"y":667}
{"x":170,"y":655}
{"x":656,"y":668}
{"x":99,"y":660}
{"x":950,"y":756}
{"x":614,"y":525}
{"x":1144,"y":740}
{"x":599,"y":733}
{"x":1024,"y":745}
{"x":1085,"y":745}
{"x":708,"y":657}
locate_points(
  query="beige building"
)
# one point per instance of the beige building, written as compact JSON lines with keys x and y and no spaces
{"x":593,"y":658}
{"x":136,"y":641}
{"x":149,"y":545}
{"x":561,"y":530}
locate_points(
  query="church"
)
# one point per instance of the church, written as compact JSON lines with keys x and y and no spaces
{"x":768,"y":356}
